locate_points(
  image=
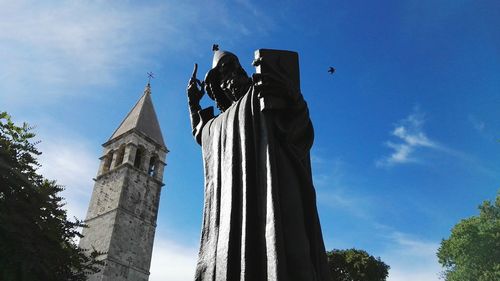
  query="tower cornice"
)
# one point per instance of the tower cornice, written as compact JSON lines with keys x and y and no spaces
{"x":143,"y":135}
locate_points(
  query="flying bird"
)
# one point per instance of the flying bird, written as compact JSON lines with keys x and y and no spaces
{"x":331,"y":70}
{"x":215,"y":47}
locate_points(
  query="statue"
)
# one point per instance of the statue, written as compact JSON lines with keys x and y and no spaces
{"x":260,"y":220}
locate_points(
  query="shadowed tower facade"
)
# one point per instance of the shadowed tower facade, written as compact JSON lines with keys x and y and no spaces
{"x":123,"y":208}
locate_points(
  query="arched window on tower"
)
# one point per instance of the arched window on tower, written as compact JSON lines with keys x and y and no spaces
{"x":119,"y":156}
{"x":153,"y":166}
{"x":107,"y":162}
{"x":139,"y":154}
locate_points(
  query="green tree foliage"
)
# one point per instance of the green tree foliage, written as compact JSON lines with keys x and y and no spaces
{"x":36,"y":239}
{"x":472,"y":252}
{"x":356,"y":265}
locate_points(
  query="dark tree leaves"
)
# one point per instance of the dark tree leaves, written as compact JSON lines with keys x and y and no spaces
{"x":36,"y":238}
{"x":356,"y":265}
{"x":472,"y":252}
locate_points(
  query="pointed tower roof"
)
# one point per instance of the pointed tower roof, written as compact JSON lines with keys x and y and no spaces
{"x":142,"y":118}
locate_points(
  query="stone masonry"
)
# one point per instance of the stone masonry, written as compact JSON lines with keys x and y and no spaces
{"x":123,"y":208}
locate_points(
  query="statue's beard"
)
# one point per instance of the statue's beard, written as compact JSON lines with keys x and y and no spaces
{"x":238,"y":87}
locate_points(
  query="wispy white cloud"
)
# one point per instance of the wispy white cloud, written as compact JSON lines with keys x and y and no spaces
{"x":411,"y":259}
{"x":419,"y":273}
{"x":341,"y":200}
{"x":410,"y":139}
{"x":70,"y":161}
{"x":54,"y":47}
{"x":410,"y":135}
{"x":173,"y":261}
{"x":414,"y":247}
{"x":333,"y":191}
{"x":257,"y":13}
{"x":50,"y":50}
{"x":483,"y":129}
{"x":476,"y":123}
{"x":326,"y":172}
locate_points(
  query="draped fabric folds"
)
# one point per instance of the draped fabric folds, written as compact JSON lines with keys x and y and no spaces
{"x":260,"y":220}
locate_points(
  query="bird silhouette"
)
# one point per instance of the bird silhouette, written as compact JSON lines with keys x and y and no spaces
{"x":215,"y":47}
{"x":331,"y":70}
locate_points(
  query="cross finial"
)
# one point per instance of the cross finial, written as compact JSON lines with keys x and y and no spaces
{"x":150,"y":76}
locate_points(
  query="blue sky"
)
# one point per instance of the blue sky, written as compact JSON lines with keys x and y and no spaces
{"x":406,"y":130}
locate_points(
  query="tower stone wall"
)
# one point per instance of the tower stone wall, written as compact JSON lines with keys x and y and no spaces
{"x":123,"y":209}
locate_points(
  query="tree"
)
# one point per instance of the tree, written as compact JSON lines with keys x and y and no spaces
{"x":36,"y":239}
{"x":356,"y":265}
{"x":472,"y":252}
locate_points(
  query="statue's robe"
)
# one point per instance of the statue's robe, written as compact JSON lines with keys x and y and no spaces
{"x":260,"y":220}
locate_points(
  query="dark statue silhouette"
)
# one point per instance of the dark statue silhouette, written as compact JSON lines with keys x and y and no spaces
{"x":260,"y":220}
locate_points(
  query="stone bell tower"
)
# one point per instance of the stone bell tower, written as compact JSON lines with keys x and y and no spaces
{"x":123,"y":208}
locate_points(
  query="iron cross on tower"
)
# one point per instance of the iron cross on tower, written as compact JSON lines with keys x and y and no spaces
{"x":150,"y":76}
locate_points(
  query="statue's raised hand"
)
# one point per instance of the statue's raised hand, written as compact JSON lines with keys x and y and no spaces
{"x":194,"y":93}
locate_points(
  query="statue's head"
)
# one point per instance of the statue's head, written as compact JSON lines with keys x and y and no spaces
{"x":227,"y":81}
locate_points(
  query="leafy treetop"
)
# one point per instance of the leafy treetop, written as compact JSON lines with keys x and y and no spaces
{"x":36,"y":238}
{"x":472,"y":252}
{"x":356,"y":265}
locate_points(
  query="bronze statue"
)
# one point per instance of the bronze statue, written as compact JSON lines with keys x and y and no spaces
{"x":260,"y":220}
